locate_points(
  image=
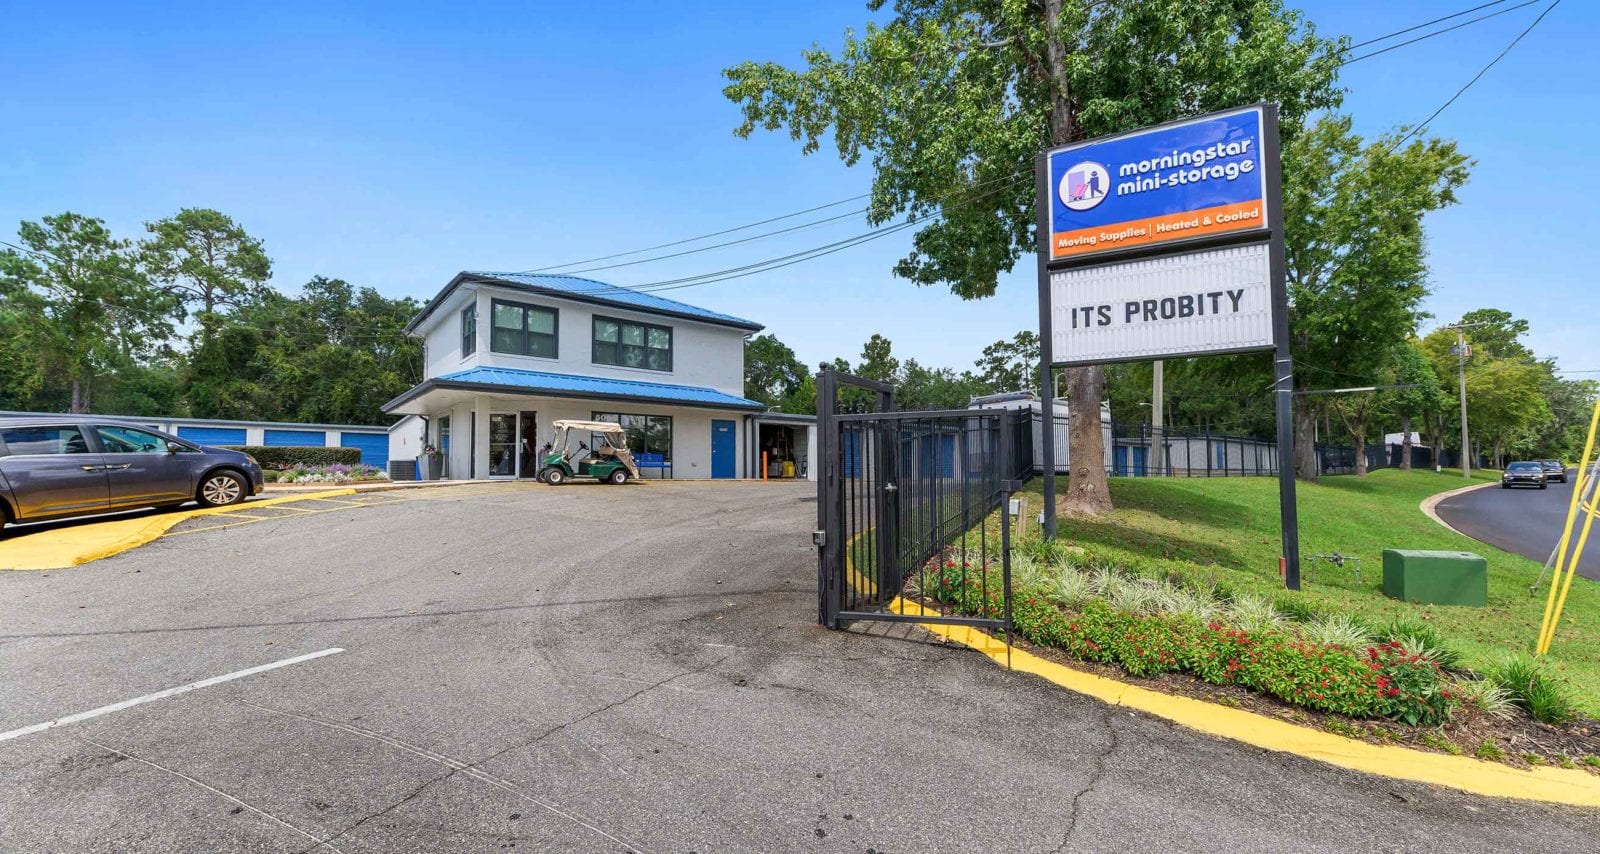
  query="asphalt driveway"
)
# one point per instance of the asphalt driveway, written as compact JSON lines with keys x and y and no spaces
{"x":602,"y":669}
{"x":1523,"y":520}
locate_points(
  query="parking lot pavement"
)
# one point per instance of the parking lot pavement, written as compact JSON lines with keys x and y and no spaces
{"x":595,"y":668}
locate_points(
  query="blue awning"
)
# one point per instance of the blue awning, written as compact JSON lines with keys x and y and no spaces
{"x":488,"y":379}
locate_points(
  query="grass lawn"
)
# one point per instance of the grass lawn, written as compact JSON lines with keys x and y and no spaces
{"x":1226,"y":530}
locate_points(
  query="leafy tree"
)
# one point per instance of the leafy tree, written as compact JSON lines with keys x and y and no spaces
{"x":25,"y":367}
{"x":1506,"y":405}
{"x":334,"y":354}
{"x":1357,"y":259}
{"x":205,"y":258}
{"x":97,"y":308}
{"x":952,"y":99}
{"x":924,"y":387}
{"x":208,"y":262}
{"x":772,"y":372}
{"x":1423,"y":399}
{"x":1500,"y":334}
{"x":878,"y":361}
{"x":1011,"y":365}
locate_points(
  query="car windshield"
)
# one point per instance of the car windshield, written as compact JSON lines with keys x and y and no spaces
{"x":1522,"y":467}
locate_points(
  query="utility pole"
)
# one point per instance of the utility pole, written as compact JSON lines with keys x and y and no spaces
{"x":1158,"y":402}
{"x":1461,"y":372}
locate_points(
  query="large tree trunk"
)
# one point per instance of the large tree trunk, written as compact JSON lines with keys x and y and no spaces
{"x":1305,"y":441}
{"x":1087,"y":492}
{"x":1405,"y":443}
{"x":1358,"y":438}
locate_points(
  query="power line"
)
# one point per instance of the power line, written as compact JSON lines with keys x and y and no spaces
{"x":1425,"y":24}
{"x":565,"y":269}
{"x":705,"y":236}
{"x":1427,"y":36}
{"x":1476,"y":77}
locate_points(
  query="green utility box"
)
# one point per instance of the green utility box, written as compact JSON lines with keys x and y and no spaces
{"x":1436,"y":578}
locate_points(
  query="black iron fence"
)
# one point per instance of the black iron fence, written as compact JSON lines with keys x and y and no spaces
{"x":901,"y":496}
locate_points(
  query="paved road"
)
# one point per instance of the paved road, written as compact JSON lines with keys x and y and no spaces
{"x":603,"y":669}
{"x":1521,"y":520}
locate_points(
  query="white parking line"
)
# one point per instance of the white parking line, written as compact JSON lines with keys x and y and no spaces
{"x":162,"y":695}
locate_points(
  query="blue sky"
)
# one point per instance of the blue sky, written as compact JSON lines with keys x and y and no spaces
{"x":395,"y":144}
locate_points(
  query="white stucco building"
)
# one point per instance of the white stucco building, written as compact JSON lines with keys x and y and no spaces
{"x":506,"y":354}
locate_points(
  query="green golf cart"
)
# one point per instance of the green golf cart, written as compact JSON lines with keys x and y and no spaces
{"x":607,"y":462}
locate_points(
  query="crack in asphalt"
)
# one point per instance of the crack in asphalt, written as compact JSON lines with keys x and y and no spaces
{"x":1113,"y":744}
{"x":468,"y":768}
{"x":654,"y":598}
{"x":316,"y":841}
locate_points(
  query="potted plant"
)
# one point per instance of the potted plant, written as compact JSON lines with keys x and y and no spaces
{"x":430,"y":463}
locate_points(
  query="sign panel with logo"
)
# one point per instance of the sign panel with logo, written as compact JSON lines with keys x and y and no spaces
{"x":1160,"y":185}
{"x":1159,"y":242}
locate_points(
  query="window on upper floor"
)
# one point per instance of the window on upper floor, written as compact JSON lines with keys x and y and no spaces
{"x":523,"y":330}
{"x":632,"y":345}
{"x":469,"y":330}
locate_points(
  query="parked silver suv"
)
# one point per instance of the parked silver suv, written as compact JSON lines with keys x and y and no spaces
{"x":51,"y":467}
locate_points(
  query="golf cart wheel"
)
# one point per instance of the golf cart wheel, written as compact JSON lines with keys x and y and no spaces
{"x":554,"y":477}
{"x":221,"y":488}
{"x":618,"y":476}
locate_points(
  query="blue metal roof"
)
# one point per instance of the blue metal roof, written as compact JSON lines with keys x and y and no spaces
{"x":544,"y":382}
{"x":589,"y":290}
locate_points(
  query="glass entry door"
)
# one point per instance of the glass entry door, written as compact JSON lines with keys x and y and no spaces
{"x":502,"y":444}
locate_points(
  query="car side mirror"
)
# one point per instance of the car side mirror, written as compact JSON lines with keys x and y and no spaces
{"x":173,"y":447}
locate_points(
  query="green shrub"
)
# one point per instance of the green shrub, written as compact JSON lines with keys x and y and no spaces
{"x":1422,"y":639}
{"x":1592,"y":761}
{"x":1337,"y":630}
{"x":1486,"y":696}
{"x":1490,"y":751}
{"x":1535,"y":690}
{"x":1410,"y":686}
{"x":269,"y":475}
{"x":286,"y":457}
{"x":1296,"y":608}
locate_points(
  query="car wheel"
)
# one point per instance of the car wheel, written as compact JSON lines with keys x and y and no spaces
{"x":618,"y":476}
{"x":1505,"y":486}
{"x":221,"y":489}
{"x":554,"y":477}
{"x":1544,"y":486}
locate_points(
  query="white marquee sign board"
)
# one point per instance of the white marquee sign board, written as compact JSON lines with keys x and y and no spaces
{"x":1211,"y":301}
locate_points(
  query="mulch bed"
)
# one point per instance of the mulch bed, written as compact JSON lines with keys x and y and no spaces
{"x":1517,"y":738}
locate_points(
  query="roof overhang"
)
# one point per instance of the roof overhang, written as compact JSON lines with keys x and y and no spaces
{"x":429,"y":394}
{"x":556,"y":293}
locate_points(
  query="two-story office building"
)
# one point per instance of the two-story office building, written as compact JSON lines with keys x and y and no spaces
{"x":507,"y":354}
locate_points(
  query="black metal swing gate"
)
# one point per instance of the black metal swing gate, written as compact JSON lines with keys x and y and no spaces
{"x":901,"y":498}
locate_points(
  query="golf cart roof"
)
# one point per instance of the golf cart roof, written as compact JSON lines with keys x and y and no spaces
{"x":595,"y":426}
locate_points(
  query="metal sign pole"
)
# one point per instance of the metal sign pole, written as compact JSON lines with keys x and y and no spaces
{"x":1047,"y":391}
{"x":1282,"y":365}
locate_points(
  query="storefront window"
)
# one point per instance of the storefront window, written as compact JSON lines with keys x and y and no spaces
{"x":649,"y":436}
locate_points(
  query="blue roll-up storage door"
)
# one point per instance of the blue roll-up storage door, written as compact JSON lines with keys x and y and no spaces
{"x":212,"y":435}
{"x":294,"y":438}
{"x":374,"y":447}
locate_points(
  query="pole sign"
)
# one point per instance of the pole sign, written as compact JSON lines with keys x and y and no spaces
{"x":1162,"y":243}
{"x":1159,"y":240}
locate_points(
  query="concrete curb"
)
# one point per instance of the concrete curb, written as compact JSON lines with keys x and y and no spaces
{"x":76,"y":545}
{"x":1546,"y":784}
{"x":1432,"y":501}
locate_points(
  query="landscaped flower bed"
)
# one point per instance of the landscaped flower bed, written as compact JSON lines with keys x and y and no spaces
{"x":1402,"y":672}
{"x":332,"y":473}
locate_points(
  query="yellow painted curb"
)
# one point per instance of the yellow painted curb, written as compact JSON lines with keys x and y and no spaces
{"x":76,"y":545}
{"x":1550,"y":785}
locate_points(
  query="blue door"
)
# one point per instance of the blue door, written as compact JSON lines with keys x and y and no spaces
{"x":294,"y":438}
{"x":723,"y":455}
{"x":374,"y":447}
{"x":212,"y":435}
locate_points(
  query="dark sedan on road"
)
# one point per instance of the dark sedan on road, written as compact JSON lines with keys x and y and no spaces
{"x":1523,"y":474}
{"x":79,"y":465}
{"x":1554,"y":470}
